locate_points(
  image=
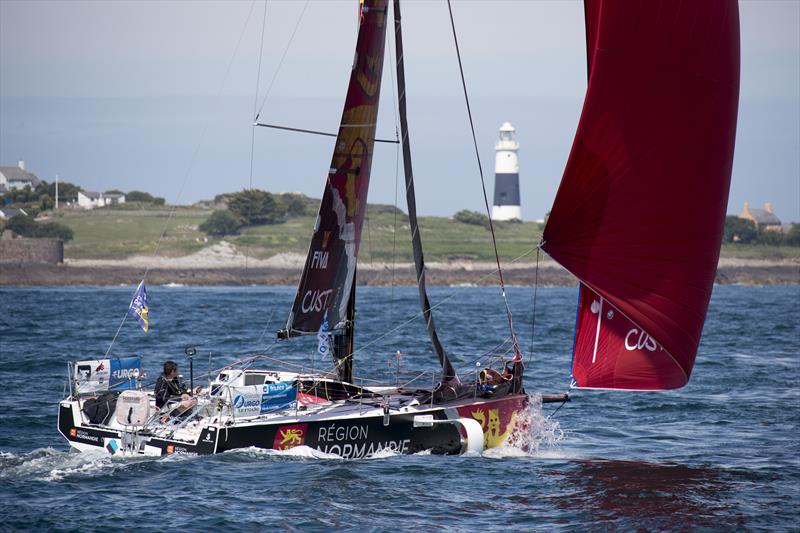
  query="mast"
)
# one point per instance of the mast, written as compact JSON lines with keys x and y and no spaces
{"x":448,"y":372}
{"x":343,"y":340}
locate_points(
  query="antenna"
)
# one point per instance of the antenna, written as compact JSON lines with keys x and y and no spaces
{"x":190,"y":354}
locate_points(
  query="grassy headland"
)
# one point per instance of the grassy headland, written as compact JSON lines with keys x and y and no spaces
{"x":117,"y":233}
{"x":114,"y":233}
{"x":113,"y":246}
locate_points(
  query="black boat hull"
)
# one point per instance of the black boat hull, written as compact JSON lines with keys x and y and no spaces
{"x":441,"y":429}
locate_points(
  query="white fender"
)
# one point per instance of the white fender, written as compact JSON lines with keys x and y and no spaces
{"x":472,"y":427}
{"x":474,"y":435}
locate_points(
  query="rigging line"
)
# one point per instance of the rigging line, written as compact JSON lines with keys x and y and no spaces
{"x":255,"y":96}
{"x":490,"y":354}
{"x":535,"y":290}
{"x":316,"y":132}
{"x":190,"y":166}
{"x":280,"y":63}
{"x":558,"y":409}
{"x":264,"y":331}
{"x":253,"y":130}
{"x":483,"y":183}
{"x":433,"y":307}
{"x":395,"y":111}
{"x":394,"y":222}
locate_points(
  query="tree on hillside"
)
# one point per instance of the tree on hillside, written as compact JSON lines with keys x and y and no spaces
{"x":254,"y":206}
{"x":222,"y":198}
{"x":739,"y":230}
{"x":291,"y":204}
{"x":792,"y":237}
{"x":67,"y":192}
{"x":22,"y":225}
{"x":472,"y":217}
{"x":144,"y":197}
{"x":139,"y":196}
{"x":53,"y":230}
{"x":771,"y":238}
{"x":221,"y":222}
{"x":46,"y":202}
{"x":20,"y":196}
{"x":27,"y":227}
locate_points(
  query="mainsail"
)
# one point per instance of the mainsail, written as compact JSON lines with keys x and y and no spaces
{"x":639,"y":214}
{"x":329,"y":272}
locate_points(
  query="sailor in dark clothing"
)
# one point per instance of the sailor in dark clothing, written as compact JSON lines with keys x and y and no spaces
{"x":169,"y":385}
{"x":170,"y":388}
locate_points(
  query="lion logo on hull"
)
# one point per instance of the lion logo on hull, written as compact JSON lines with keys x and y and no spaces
{"x":290,"y":436}
{"x":489,"y":419}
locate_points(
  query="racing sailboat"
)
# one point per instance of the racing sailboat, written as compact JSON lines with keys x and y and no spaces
{"x":657,"y":132}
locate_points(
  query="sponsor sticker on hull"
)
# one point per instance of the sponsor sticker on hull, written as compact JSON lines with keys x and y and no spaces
{"x":84,"y":436}
{"x":278,"y":395}
{"x":354,"y":441}
{"x":112,"y":445}
{"x":246,"y":402}
{"x":290,"y":436}
{"x":179,"y":450}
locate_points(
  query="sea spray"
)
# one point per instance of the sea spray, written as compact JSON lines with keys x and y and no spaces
{"x":533,"y":431}
{"x":49,"y":464}
{"x":298,"y":452}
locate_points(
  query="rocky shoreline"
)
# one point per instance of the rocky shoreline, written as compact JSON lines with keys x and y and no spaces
{"x":111,"y":273}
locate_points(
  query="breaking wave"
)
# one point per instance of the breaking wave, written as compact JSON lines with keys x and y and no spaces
{"x":298,"y":452}
{"x":535,"y":434}
{"x":49,"y":464}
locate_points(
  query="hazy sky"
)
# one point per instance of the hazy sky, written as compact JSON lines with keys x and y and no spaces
{"x":134,"y":95}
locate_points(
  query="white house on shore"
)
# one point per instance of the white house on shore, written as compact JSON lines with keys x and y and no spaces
{"x":17,"y":178}
{"x":90,"y":200}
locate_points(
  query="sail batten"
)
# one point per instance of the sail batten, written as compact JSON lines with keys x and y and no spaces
{"x":329,"y":271}
{"x":639,"y":214}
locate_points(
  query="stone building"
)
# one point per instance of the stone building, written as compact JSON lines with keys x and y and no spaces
{"x":764,"y":219}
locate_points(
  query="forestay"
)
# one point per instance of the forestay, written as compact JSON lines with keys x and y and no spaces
{"x":329,"y":271}
{"x":639,"y":214}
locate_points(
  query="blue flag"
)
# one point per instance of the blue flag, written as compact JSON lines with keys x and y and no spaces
{"x":323,"y":344}
{"x":139,"y":308}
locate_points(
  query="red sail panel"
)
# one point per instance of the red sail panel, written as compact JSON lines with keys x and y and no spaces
{"x":592,"y":21}
{"x":329,"y":271}
{"x":639,"y":214}
{"x":611,"y":352}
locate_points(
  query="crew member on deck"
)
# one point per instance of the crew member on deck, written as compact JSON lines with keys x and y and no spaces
{"x":169,"y":386}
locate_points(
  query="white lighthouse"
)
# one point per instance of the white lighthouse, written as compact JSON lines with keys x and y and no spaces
{"x":506,"y":176}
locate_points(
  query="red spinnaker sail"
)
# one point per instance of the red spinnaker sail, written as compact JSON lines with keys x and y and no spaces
{"x":638,"y":217}
{"x":329,"y":272}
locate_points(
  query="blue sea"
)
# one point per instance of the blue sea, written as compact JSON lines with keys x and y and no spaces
{"x":721,"y":454}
